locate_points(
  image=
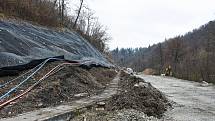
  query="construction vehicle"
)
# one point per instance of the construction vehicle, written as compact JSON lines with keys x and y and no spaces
{"x":168,"y":71}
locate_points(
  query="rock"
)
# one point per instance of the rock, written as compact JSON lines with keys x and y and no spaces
{"x":205,"y":84}
{"x":136,"y":85}
{"x":101,"y":103}
{"x":100,"y":106}
{"x":40,"y":104}
{"x":142,"y":84}
{"x":81,"y":95}
{"x":100,"y":109}
{"x":132,"y":115}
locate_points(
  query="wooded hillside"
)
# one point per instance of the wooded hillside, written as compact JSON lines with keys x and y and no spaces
{"x":191,"y":56}
{"x":55,"y":13}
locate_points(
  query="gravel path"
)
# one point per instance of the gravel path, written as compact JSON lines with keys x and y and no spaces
{"x":194,"y":102}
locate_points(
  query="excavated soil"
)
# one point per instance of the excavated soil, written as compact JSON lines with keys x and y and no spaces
{"x":118,"y":115}
{"x":71,"y":83}
{"x":136,"y":94}
{"x":136,"y":101}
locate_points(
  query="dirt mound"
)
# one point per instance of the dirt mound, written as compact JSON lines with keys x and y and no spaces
{"x":136,"y":94}
{"x":121,"y":115}
{"x":136,"y":100}
{"x":149,"y":71}
{"x":69,"y":84}
{"x":104,"y":75}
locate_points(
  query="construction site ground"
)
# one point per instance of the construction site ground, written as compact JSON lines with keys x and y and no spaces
{"x":135,"y":100}
{"x":74,"y":92}
{"x":71,"y":83}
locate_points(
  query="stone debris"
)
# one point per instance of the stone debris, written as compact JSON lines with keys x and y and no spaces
{"x":81,"y":95}
{"x":142,"y":84}
{"x":136,"y":100}
{"x":137,"y":94}
{"x":119,"y":115}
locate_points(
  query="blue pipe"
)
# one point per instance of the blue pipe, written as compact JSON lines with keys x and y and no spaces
{"x":3,"y":85}
{"x":13,"y":89}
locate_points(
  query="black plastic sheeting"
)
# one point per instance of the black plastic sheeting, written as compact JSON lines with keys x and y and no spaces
{"x":22,"y":43}
{"x":14,"y":70}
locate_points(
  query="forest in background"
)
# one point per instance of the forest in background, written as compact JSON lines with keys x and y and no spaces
{"x":191,"y":56}
{"x":55,"y":13}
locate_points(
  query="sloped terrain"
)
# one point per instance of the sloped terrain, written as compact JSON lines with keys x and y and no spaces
{"x":182,"y":53}
{"x":21,"y":42}
{"x":71,"y":83}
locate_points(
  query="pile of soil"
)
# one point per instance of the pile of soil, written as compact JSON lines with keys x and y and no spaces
{"x":149,"y":71}
{"x":136,"y":100}
{"x":121,"y":115}
{"x":59,"y":88}
{"x":137,"y":94}
{"x":104,"y":76}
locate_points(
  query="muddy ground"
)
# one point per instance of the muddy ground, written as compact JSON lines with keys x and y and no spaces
{"x":71,"y":83}
{"x":136,"y":100}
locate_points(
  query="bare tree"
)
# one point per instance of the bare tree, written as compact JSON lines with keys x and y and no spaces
{"x":161,"y":57}
{"x":62,"y":11}
{"x":79,"y":11}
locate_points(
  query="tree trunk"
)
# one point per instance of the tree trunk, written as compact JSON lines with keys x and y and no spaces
{"x":62,"y":11}
{"x":79,"y":11}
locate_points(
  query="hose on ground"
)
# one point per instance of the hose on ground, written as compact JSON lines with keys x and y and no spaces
{"x":51,"y":72}
{"x":14,"y":88}
{"x":3,"y":85}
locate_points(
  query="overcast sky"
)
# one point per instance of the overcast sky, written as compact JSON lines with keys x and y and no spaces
{"x":138,"y":23}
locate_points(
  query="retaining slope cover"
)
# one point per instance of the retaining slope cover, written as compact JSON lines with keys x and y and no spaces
{"x":22,"y":42}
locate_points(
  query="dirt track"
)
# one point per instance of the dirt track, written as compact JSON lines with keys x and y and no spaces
{"x":194,"y":102}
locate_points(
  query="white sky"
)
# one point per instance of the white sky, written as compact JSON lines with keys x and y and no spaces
{"x":138,"y":23}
